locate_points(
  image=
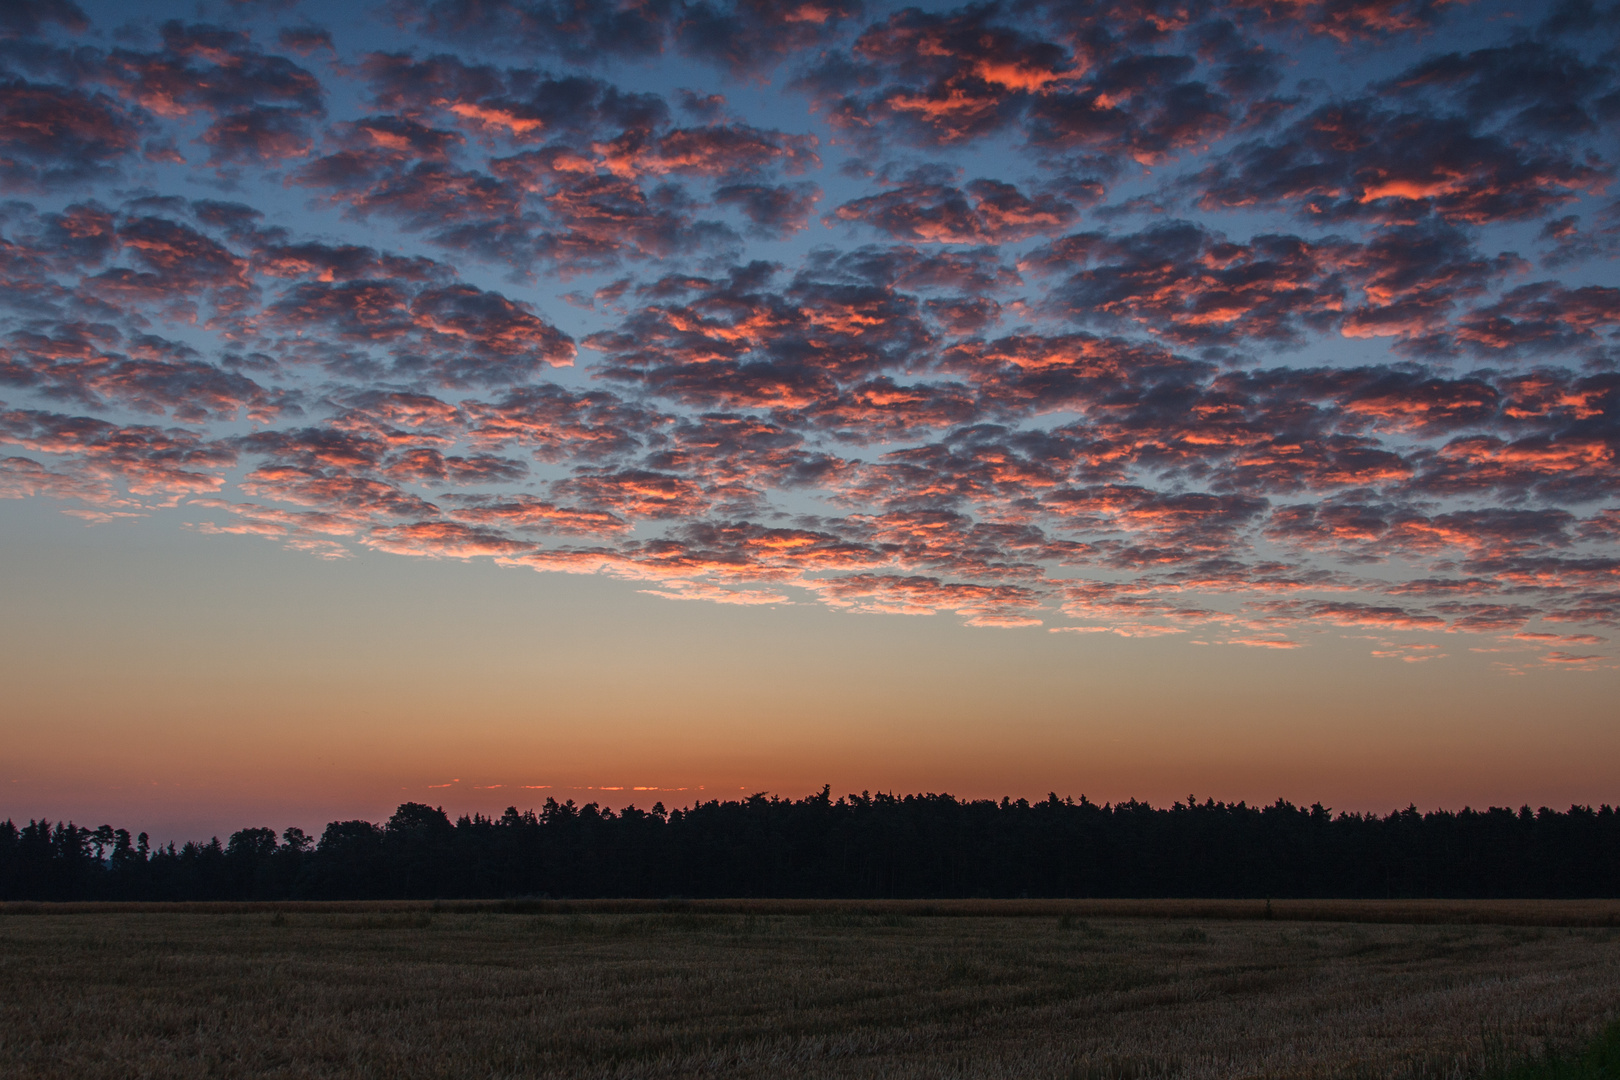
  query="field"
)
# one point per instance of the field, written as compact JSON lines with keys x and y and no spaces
{"x":792,"y":991}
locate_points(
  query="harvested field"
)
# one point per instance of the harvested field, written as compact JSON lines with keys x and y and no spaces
{"x":840,"y":991}
{"x":1466,"y":912}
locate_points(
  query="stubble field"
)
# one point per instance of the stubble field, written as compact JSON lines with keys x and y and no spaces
{"x":414,"y":993}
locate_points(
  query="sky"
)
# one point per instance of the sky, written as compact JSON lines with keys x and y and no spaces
{"x":482,"y":401}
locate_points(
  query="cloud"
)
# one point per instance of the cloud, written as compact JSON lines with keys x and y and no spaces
{"x":1146,"y":108}
{"x":775,"y":212}
{"x":745,"y":36}
{"x":333,"y":490}
{"x":1109,"y":312}
{"x":1193,"y":286}
{"x":145,"y":373}
{"x":1265,"y":643}
{"x":1343,"y":613}
{"x":454,"y":334}
{"x":736,"y":343}
{"x":687,"y":590}
{"x":1533,"y":88}
{"x":146,"y":460}
{"x":637,"y":493}
{"x":942,"y":78}
{"x":55,"y":136}
{"x":424,"y":464}
{"x":1542,"y":318}
{"x":575,"y":29}
{"x":1359,"y":160}
{"x":717,"y":150}
{"x":986,"y":211}
{"x":1005,"y":605}
{"x":260,"y":105}
{"x":28,"y":17}
{"x":740,"y":36}
{"x":1561,"y":658}
{"x":528,"y":514}
{"x":1196,"y":287}
{"x":559,"y":424}
{"x":1344,"y":20}
{"x":22,"y":478}
{"x":442,"y":539}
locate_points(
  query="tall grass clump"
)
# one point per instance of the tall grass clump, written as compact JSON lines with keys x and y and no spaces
{"x":1599,"y":1061}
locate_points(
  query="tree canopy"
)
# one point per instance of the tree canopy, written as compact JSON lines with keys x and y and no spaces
{"x":857,"y":846}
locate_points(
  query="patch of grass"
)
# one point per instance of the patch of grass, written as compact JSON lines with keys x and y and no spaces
{"x":1598,"y":1061}
{"x":1071,"y":924}
{"x":1126,"y":1069}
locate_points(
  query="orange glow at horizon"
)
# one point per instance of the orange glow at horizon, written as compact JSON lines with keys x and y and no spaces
{"x":684,"y":709}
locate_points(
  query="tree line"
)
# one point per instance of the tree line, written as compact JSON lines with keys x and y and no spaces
{"x":857,"y":846}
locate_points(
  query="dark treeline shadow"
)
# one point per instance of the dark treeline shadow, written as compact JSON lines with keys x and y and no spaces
{"x":861,"y":846}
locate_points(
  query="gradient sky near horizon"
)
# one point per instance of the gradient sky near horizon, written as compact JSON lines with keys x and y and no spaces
{"x":476,"y":401}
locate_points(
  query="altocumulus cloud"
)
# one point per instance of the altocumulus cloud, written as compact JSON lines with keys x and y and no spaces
{"x":1085,"y":317}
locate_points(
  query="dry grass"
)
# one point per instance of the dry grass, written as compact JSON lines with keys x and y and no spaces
{"x":396,"y":991}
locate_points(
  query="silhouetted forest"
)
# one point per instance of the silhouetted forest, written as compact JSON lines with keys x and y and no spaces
{"x":859,"y":846}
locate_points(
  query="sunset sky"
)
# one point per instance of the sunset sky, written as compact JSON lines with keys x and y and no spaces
{"x":476,"y":401}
